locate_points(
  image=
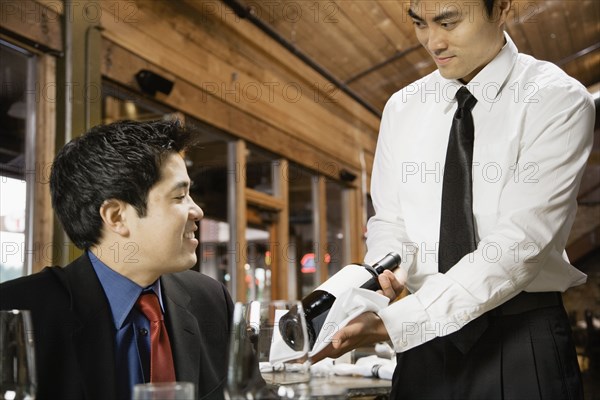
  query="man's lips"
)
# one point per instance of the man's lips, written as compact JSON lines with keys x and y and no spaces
{"x":442,"y":60}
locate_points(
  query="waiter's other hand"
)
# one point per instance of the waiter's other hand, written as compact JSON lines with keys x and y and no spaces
{"x":391,"y":285}
{"x":364,"y":330}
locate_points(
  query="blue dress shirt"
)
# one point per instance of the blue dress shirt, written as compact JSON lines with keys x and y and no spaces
{"x":132,"y":328}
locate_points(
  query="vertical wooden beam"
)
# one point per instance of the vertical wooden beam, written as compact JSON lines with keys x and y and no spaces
{"x":44,"y":152}
{"x":320,"y":223}
{"x":353,"y":225}
{"x":280,"y":277}
{"x":237,"y":218}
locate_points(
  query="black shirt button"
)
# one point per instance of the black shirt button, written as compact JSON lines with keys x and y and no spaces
{"x":143,"y":331}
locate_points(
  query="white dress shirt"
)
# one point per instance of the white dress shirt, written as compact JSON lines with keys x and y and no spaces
{"x":533,"y":135}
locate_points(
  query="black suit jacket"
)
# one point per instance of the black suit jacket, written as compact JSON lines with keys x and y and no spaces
{"x":74,"y":331}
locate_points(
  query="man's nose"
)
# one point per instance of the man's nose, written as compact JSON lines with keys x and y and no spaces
{"x":196,"y":212}
{"x":437,"y":42}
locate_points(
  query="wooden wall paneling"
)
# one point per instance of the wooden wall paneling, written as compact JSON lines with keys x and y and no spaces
{"x":355,"y":12}
{"x":254,"y":35}
{"x":374,"y":80}
{"x":252,"y":59}
{"x":120,"y":65}
{"x":264,"y":70}
{"x":557,"y":35}
{"x":568,"y":28}
{"x":517,"y":34}
{"x":373,"y":53}
{"x":378,"y":13}
{"x":523,"y":15}
{"x":398,"y":11}
{"x":591,"y":63}
{"x":324,"y":94}
{"x":343,"y":37}
{"x":34,"y":21}
{"x":45,"y":134}
{"x":286,"y":17}
{"x":535,"y":34}
{"x":322,"y":23}
{"x":280,"y":112}
{"x":584,"y":68}
{"x":586,"y":22}
{"x":584,"y":25}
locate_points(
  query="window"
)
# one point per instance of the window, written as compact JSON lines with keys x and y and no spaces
{"x":259,"y":170}
{"x":303,"y":229}
{"x":17,"y":159}
{"x":338,"y":231}
{"x":207,"y":167}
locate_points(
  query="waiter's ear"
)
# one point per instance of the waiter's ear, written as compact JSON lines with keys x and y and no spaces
{"x":114,"y":215}
{"x":501,"y":10}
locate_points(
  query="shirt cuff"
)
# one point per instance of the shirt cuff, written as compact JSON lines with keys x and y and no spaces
{"x":405,"y":322}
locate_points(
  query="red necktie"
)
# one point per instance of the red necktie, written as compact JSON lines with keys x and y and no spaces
{"x":162,"y":368}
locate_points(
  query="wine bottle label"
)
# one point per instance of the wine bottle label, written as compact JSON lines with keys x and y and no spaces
{"x":351,"y":275}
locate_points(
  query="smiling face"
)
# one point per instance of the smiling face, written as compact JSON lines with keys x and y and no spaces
{"x":459,"y":35}
{"x":164,"y":239}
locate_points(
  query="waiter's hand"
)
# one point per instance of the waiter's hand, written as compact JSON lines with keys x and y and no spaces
{"x":390,"y":284}
{"x":364,"y":330}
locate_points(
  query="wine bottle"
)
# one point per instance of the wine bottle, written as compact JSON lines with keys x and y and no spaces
{"x":318,"y":303}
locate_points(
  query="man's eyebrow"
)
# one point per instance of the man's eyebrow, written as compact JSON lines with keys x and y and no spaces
{"x":180,"y":185}
{"x":444,"y":15}
{"x":413,"y":15}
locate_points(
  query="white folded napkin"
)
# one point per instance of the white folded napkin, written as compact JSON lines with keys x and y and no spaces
{"x":371,"y":366}
{"x":349,"y":305}
{"x":323,"y":367}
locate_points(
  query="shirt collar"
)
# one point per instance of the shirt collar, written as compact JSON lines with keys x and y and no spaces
{"x":121,"y":292}
{"x":487,"y":85}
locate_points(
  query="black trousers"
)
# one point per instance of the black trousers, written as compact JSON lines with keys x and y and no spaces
{"x":525,"y":356}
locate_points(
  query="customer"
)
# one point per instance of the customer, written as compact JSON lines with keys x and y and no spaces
{"x":122,"y":194}
{"x":496,"y":198}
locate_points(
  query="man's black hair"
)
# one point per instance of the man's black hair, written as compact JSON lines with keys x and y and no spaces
{"x":119,"y":161}
{"x":489,"y":7}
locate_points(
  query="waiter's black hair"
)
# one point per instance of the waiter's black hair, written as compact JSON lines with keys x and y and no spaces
{"x":489,"y":7}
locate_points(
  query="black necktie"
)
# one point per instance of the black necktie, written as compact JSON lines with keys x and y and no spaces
{"x":457,"y":231}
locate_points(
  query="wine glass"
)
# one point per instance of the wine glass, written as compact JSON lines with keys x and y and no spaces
{"x":17,"y":357}
{"x":164,"y":391}
{"x":268,"y":354}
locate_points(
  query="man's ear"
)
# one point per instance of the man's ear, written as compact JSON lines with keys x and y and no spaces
{"x":503,"y":10}
{"x":113,"y":213}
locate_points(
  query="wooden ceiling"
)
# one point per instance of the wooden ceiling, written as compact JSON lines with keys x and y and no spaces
{"x":370,"y":45}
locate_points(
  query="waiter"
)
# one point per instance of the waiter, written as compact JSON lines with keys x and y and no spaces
{"x":475,"y":179}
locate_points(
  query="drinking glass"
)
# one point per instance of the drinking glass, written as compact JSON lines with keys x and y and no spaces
{"x":17,"y":357}
{"x":164,"y":391}
{"x":268,"y":355}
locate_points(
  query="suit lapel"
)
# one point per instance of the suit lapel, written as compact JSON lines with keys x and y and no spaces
{"x":184,"y":332}
{"x":94,"y":340}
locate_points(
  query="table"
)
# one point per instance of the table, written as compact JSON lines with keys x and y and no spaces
{"x":349,"y":387}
